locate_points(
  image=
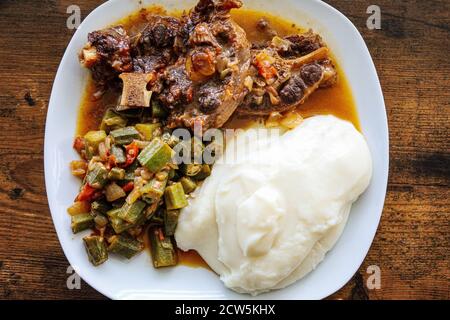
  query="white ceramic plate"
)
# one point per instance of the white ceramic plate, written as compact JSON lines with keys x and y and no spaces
{"x":120,"y":279}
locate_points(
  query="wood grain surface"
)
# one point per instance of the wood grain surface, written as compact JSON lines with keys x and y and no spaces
{"x":411,"y":53}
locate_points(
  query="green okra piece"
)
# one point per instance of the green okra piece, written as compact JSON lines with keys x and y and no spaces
{"x":147,"y":129}
{"x":118,"y":153}
{"x":173,"y":175}
{"x":191,"y":169}
{"x":129,"y":177}
{"x":154,"y":190}
{"x":158,"y":216}
{"x":112,"y":121}
{"x":131,"y":113}
{"x":118,"y":224}
{"x":188,"y":184}
{"x":100,"y":207}
{"x":98,"y":176}
{"x":156,"y":155}
{"x":129,"y":172}
{"x":170,"y":139}
{"x":94,"y":138}
{"x":166,"y":137}
{"x":96,"y":249}
{"x":132,"y":168}
{"x":118,"y":203}
{"x":125,"y":246}
{"x":89,"y":151}
{"x":204,"y":172}
{"x":116,"y":174}
{"x":175,"y":197}
{"x":170,"y":221}
{"x":81,"y":222}
{"x":113,"y":213}
{"x":124,"y":135}
{"x":162,"y":249}
{"x":150,"y":210}
{"x":158,"y":111}
{"x":132,"y":213}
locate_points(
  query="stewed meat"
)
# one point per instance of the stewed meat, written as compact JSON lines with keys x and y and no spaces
{"x":107,"y":54}
{"x":205,"y":85}
{"x":202,"y":68}
{"x":154,"y":50}
{"x":286,"y":72}
{"x":178,"y":87}
{"x":300,"y":45}
{"x":311,"y":73}
{"x":293,"y":90}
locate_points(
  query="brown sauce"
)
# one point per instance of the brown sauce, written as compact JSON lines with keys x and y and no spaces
{"x":337,"y":100}
{"x":191,"y":259}
{"x":187,"y":258}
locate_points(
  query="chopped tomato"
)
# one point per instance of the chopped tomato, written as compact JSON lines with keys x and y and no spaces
{"x":87,"y":193}
{"x":266,"y":70}
{"x":263,"y":62}
{"x":79,"y":144}
{"x":128,"y":187}
{"x":132,"y":151}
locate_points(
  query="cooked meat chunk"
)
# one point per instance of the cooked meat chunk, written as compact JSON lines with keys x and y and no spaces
{"x":105,"y":76}
{"x":107,"y":54}
{"x":203,"y":61}
{"x":202,"y":35}
{"x":209,"y":97}
{"x":210,"y":72}
{"x":160,"y":33}
{"x":301,"y":44}
{"x":311,"y":73}
{"x":286,"y":72}
{"x":178,"y":87}
{"x":292,"y":91}
{"x":148,"y":64}
{"x":112,"y":46}
{"x":153,"y":48}
{"x":202,"y":68}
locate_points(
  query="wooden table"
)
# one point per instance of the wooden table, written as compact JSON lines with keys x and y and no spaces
{"x":411,"y":53}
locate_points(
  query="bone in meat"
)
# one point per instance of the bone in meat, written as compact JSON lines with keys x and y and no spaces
{"x":135,"y":93}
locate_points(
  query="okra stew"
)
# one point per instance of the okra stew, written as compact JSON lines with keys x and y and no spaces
{"x":154,"y":72}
